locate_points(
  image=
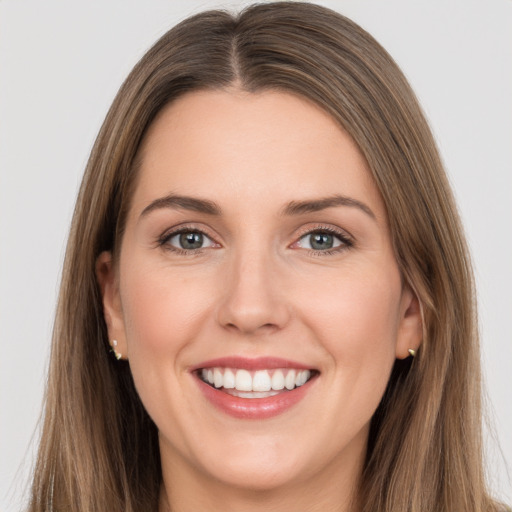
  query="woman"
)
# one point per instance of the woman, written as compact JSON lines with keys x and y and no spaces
{"x":267,"y":301}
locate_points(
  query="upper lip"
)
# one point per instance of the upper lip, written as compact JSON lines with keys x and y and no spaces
{"x":257,"y":363}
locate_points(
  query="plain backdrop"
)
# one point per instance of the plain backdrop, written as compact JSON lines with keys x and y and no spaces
{"x":61,"y":64}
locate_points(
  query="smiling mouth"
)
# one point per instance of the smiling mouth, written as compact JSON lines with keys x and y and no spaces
{"x":255,"y":384}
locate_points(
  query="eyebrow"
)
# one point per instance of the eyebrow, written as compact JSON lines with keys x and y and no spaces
{"x":183,"y":203}
{"x":291,"y":209}
{"x":316,"y":205}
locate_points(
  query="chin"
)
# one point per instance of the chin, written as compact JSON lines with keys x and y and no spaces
{"x":255,"y":475}
{"x":255,"y":462}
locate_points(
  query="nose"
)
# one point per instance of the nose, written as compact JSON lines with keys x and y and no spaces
{"x":254,"y":302}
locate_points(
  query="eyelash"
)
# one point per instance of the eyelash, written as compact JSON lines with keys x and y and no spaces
{"x":163,"y":241}
{"x":346,"y":241}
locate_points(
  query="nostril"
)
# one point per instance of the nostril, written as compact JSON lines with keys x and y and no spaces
{"x":251,"y":326}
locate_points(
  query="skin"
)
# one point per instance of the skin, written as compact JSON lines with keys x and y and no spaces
{"x":257,"y":289}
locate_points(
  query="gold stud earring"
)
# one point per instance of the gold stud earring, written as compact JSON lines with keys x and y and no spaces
{"x":117,"y":354}
{"x":412,"y":352}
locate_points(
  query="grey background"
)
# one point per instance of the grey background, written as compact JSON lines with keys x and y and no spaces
{"x":61,"y":64}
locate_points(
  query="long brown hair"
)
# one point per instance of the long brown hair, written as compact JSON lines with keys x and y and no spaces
{"x":99,"y":448}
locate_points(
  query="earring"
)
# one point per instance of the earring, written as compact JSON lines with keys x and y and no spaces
{"x":412,"y":352}
{"x":117,"y":354}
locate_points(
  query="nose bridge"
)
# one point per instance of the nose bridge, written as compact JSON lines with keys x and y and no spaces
{"x":253,"y":300}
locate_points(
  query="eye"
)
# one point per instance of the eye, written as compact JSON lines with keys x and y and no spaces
{"x":323,"y":240}
{"x":187,"y":240}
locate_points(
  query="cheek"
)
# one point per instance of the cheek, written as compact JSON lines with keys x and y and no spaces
{"x":362,"y":305}
{"x":356,"y":321}
{"x":162,"y":309}
{"x":356,"y":324}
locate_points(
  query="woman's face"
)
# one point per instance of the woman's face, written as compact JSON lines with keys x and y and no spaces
{"x":257,"y":255}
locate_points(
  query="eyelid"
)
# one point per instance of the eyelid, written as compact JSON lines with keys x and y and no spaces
{"x":347,"y":240}
{"x":309,"y":228}
{"x":306,"y":230}
{"x":164,"y":238}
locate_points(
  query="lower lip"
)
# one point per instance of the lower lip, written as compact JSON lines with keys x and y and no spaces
{"x":254,"y":408}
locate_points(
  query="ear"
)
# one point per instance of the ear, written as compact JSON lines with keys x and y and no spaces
{"x":112,"y":310}
{"x":410,"y":329}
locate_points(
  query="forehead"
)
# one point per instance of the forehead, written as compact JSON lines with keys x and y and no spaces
{"x":253,"y":149}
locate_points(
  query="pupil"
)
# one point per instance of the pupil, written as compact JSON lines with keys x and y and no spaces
{"x":191,"y":240}
{"x":321,"y":241}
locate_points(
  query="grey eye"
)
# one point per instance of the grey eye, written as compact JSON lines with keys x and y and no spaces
{"x":190,"y":240}
{"x":320,"y":241}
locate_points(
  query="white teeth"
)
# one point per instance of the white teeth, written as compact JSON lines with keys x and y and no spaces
{"x":278,"y":380}
{"x":229,"y":379}
{"x":218,"y":379}
{"x":289,"y":381}
{"x":243,"y":380}
{"x":259,"y":383}
{"x":302,"y":377}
